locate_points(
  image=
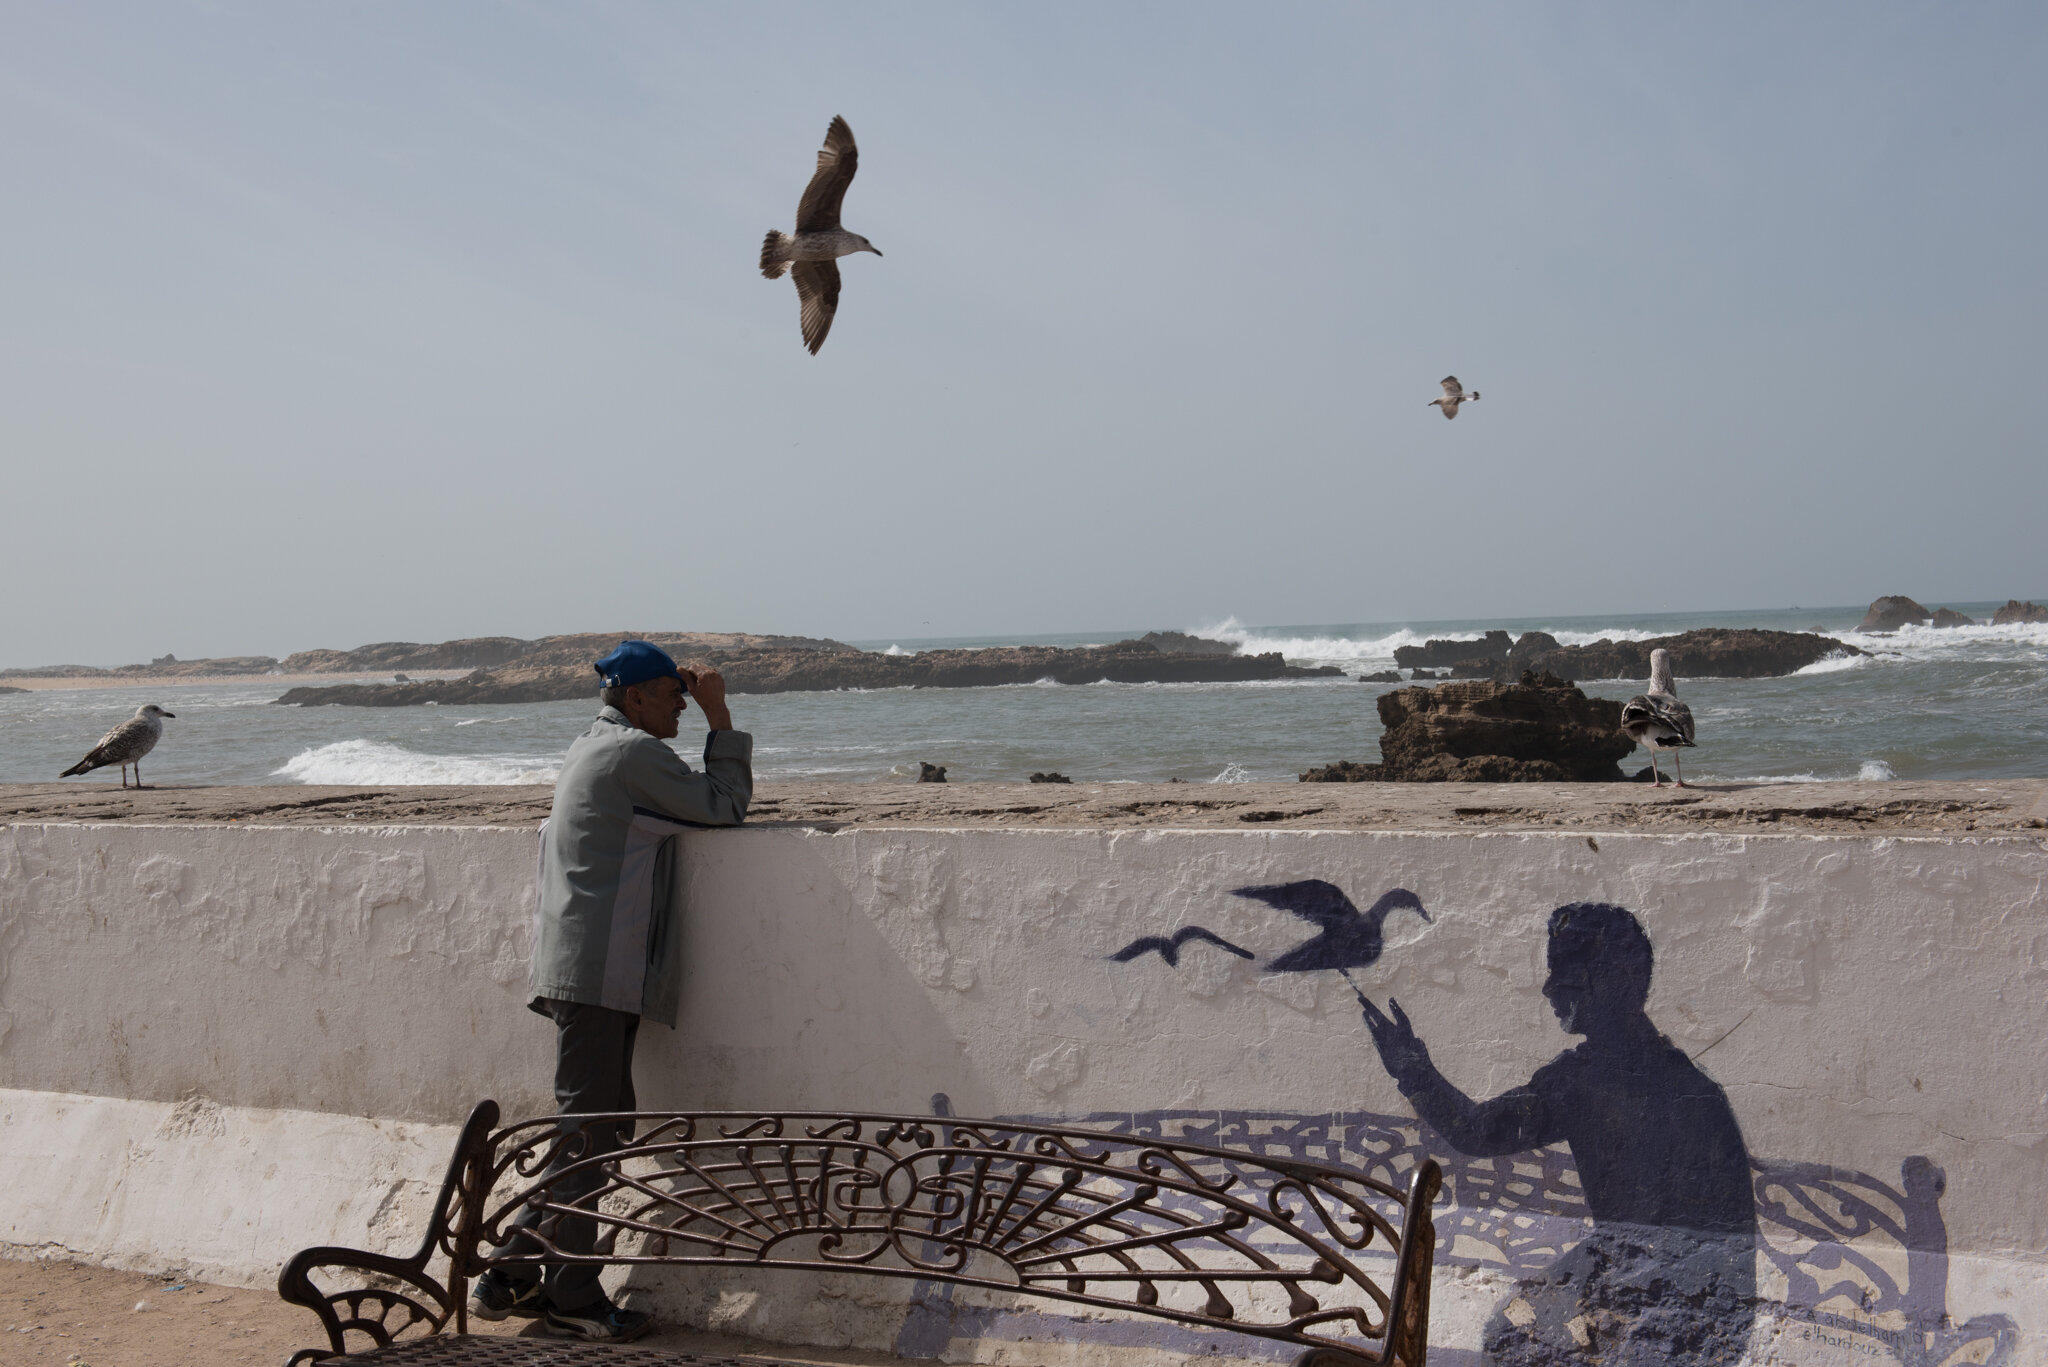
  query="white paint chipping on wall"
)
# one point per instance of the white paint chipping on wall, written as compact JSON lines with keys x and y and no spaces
{"x":1861,"y":1001}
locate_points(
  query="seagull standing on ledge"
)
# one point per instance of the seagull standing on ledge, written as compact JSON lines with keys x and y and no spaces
{"x":126,"y":744}
{"x":812,"y":255}
{"x":1454,"y":394}
{"x":1657,"y":720}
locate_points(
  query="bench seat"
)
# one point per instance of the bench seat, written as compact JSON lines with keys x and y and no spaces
{"x":1333,"y":1261}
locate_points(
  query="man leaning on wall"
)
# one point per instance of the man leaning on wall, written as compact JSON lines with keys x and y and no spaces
{"x":607,"y":947}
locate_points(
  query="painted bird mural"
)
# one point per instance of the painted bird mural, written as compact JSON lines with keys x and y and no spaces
{"x":1349,"y":938}
{"x":1169,"y":948}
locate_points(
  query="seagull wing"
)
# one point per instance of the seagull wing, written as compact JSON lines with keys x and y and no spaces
{"x":125,"y":744}
{"x":1649,"y":712}
{"x":1452,"y":388}
{"x":838,"y":159}
{"x":1311,"y":899}
{"x":817,"y":286}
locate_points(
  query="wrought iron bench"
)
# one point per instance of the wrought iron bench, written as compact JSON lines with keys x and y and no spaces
{"x":1316,"y":1256}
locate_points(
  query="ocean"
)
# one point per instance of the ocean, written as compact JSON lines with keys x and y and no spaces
{"x":1960,"y":703}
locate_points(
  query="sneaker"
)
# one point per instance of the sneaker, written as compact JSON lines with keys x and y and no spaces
{"x":600,"y":1321}
{"x":498,"y":1297}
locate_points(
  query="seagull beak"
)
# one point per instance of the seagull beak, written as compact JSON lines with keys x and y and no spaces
{"x":873,"y":248}
{"x":172,"y":715}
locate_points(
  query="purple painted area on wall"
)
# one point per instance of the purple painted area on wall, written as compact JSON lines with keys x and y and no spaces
{"x":1825,"y":1229}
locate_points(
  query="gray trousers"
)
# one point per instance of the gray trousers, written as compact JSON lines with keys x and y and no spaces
{"x":593,"y":1073}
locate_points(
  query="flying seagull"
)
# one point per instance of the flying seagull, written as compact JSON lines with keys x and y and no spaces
{"x":1657,"y":720}
{"x":1169,"y":949}
{"x":1454,"y":394}
{"x":812,"y":255}
{"x":126,"y":744}
{"x":1349,"y":939}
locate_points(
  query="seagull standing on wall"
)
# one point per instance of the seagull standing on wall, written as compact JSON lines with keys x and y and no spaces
{"x":811,"y":255}
{"x":126,"y":744}
{"x":1657,"y":720}
{"x":1454,"y":394}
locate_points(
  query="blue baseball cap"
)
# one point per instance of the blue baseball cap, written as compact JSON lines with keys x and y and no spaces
{"x":635,"y":662}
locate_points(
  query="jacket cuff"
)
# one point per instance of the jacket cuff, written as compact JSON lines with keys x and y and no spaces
{"x":737,"y":745}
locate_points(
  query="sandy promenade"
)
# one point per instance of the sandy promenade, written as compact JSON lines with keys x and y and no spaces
{"x":67,"y":1314}
{"x":2012,"y":807}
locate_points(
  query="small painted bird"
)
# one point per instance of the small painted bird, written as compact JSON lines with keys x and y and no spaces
{"x":1350,"y":938}
{"x":126,"y":744}
{"x":811,"y":255}
{"x":1169,"y":949}
{"x":1657,"y":720}
{"x":1454,"y":394}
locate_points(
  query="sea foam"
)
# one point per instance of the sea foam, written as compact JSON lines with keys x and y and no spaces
{"x":351,"y":762}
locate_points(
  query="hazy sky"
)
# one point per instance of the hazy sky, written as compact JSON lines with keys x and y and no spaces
{"x":326,"y":324}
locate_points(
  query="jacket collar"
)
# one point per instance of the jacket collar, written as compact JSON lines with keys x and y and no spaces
{"x":615,"y":717}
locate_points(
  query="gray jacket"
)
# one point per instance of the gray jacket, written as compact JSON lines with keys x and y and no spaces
{"x":605,"y":932}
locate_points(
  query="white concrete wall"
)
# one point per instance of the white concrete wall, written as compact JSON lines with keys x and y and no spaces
{"x":1861,"y":1001}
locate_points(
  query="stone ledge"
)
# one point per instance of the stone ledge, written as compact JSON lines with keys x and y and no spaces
{"x":2002,"y":807}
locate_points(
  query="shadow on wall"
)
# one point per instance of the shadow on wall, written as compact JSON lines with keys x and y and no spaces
{"x":1614,"y":1185}
{"x":1826,"y":1236}
{"x":1668,"y":1273}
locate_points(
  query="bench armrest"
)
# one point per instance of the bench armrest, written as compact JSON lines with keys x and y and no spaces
{"x":392,"y":1296}
{"x":379,"y":1313}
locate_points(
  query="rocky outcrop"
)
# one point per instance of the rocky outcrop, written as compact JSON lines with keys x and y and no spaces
{"x":579,"y":648}
{"x":1180,"y":643}
{"x":10,"y":688}
{"x":1541,"y":729}
{"x":1054,"y":777}
{"x":1441,"y":654}
{"x":1949,"y":617}
{"x":1889,"y":614}
{"x":1381,"y":676}
{"x":2016,"y":613}
{"x":930,"y":773}
{"x":753,"y":669}
{"x":1711,"y":653}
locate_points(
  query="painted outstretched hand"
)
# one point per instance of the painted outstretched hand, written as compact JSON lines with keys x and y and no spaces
{"x":1402,"y":1052}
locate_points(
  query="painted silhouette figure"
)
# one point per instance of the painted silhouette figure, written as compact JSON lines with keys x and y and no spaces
{"x":1169,"y":948}
{"x":1349,"y":938}
{"x":1669,"y":1272}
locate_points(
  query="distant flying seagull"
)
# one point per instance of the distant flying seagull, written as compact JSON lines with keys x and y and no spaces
{"x":126,"y":744}
{"x":812,"y":255}
{"x":1350,"y":938}
{"x":1454,"y":394}
{"x":1657,"y":720}
{"x":1169,"y":950}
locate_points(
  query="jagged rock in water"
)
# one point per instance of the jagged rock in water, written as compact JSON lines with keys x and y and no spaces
{"x":1428,"y":674}
{"x":1440,"y":654}
{"x":1708,"y":653}
{"x":1949,"y":617}
{"x":1528,"y":646}
{"x":1180,"y":643}
{"x":1541,"y":729}
{"x":930,"y":773}
{"x":1054,"y":777}
{"x":2016,"y":613}
{"x":1891,"y":613}
{"x":1383,"y":676}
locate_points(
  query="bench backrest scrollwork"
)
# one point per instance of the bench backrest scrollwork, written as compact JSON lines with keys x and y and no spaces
{"x":1316,"y":1255}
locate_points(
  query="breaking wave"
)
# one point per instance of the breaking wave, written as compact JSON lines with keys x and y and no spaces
{"x":351,"y":762}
